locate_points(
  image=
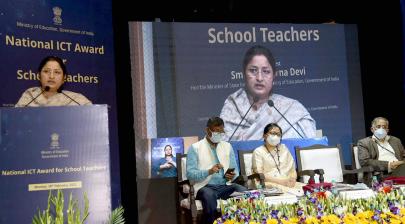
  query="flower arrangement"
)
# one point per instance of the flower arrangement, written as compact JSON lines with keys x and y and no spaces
{"x":388,"y":206}
{"x":54,"y":214}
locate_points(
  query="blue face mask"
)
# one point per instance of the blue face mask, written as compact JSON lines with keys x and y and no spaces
{"x":216,"y":137}
{"x":380,"y":133}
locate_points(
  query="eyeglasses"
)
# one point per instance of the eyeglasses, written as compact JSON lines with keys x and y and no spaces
{"x":218,"y":130}
{"x":49,"y":71}
{"x":255,"y":71}
{"x":275,"y":133}
{"x":381,"y":126}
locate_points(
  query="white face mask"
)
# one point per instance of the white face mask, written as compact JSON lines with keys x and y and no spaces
{"x":273,"y":140}
{"x":216,"y":137}
{"x":380,"y":133}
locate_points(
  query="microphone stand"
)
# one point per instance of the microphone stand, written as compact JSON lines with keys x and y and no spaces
{"x":272,"y":105}
{"x":60,"y":91}
{"x":243,"y":118}
{"x":46,"y":89}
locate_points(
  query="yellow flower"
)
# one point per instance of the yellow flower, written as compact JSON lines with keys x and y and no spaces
{"x":393,"y":216}
{"x":271,"y":221}
{"x":395,"y":221}
{"x":364,"y":215}
{"x":350,"y":218}
{"x":330,"y":219}
{"x":402,"y":211}
{"x":230,"y":222}
{"x":291,"y":221}
{"x":311,"y":220}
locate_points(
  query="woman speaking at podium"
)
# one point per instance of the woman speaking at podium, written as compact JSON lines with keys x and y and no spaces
{"x":52,"y":74}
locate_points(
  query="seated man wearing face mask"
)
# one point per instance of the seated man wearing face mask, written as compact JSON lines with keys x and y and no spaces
{"x":207,"y":163}
{"x":274,"y":160}
{"x":381,"y":151}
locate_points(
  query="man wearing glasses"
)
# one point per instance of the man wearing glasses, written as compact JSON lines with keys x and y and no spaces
{"x":382,"y":151}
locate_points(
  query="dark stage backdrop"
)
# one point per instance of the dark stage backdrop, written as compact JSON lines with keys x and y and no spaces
{"x":403,"y":37}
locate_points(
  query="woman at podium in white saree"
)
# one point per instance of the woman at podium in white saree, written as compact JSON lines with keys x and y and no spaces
{"x":52,"y":73}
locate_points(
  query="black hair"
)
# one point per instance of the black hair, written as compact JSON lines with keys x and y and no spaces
{"x":215,"y":121}
{"x":52,"y":58}
{"x":259,"y":50}
{"x":271,"y":126}
{"x":171,"y":148}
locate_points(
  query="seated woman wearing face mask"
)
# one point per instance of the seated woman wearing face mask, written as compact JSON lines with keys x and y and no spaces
{"x":273,"y":159}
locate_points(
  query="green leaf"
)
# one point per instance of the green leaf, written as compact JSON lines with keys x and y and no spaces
{"x":117,"y":216}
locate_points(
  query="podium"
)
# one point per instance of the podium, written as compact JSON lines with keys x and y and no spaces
{"x":50,"y":148}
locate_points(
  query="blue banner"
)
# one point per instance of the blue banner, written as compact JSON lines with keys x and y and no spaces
{"x":53,"y":148}
{"x":79,"y":32}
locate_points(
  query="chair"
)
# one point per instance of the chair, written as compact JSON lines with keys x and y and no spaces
{"x":327,"y":158}
{"x":190,"y":208}
{"x":365,"y":177}
{"x":245,"y":164}
{"x":356,"y":162}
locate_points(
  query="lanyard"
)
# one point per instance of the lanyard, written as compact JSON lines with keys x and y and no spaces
{"x":384,"y":148}
{"x":278,"y":158}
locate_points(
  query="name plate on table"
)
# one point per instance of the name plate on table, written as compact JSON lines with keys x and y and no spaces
{"x":281,"y":199}
{"x":356,"y":194}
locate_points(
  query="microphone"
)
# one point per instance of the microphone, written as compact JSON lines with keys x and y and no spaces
{"x":271,"y":104}
{"x":46,"y":89}
{"x":243,"y":118}
{"x":60,"y":91}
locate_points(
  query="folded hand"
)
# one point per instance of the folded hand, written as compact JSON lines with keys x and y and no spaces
{"x":395,"y":164}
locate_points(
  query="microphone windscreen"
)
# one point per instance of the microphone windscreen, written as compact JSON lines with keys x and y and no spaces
{"x":270,"y":103}
{"x":47,"y":88}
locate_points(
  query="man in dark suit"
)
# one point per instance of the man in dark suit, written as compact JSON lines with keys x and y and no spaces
{"x":382,"y":151}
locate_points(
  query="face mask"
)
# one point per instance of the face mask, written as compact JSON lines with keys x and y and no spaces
{"x":273,"y":140}
{"x":380,"y":133}
{"x":216,"y":137}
